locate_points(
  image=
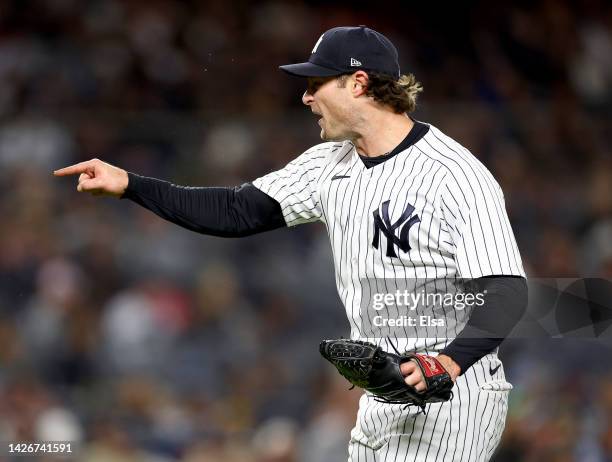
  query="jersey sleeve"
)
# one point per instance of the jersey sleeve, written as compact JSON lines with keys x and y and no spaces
{"x":474,"y":213}
{"x":295,"y":187}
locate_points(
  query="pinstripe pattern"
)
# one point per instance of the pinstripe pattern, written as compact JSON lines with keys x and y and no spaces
{"x":463,"y":232}
{"x":467,"y":429}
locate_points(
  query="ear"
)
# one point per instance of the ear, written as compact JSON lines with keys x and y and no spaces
{"x":359,"y":83}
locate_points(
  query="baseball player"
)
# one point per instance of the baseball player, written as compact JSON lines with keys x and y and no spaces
{"x":400,"y":201}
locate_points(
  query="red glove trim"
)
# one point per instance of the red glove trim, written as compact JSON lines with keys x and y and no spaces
{"x":430,"y":365}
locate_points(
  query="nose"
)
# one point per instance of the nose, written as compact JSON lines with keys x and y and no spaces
{"x":307,"y":98}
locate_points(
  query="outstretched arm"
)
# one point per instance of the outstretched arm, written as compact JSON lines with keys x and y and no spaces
{"x":226,"y":212}
{"x":97,"y":177}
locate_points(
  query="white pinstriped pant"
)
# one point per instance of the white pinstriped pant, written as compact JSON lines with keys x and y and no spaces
{"x":466,"y":429}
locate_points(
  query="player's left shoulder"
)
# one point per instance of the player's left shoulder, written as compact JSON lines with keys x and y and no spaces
{"x":461,"y":163}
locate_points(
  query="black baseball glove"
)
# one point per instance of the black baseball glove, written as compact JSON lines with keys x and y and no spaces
{"x":370,"y":367}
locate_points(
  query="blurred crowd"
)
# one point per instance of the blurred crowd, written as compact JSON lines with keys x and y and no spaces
{"x":141,"y":341}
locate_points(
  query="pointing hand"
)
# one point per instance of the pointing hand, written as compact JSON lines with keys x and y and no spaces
{"x":97,"y":177}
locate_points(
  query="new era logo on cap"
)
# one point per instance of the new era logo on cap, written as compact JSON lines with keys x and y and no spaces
{"x":341,"y":49}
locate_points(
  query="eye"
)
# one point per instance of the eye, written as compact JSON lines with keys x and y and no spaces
{"x":314,"y":84}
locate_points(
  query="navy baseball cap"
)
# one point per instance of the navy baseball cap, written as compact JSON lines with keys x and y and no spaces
{"x":344,"y":50}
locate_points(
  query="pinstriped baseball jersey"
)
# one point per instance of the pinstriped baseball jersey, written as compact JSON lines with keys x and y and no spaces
{"x":431,"y":211}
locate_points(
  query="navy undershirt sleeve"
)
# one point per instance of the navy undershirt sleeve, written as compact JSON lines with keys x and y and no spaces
{"x":505,"y":302}
{"x":226,"y":212}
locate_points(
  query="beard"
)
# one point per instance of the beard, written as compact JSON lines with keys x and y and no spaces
{"x":327,"y":137}
{"x":330,"y":134}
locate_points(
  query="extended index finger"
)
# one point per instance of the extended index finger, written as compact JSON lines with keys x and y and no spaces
{"x":81,"y":167}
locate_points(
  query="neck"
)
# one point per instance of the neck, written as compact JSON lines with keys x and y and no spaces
{"x":382,"y":133}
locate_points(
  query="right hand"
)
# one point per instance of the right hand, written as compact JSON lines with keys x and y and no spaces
{"x":97,"y":177}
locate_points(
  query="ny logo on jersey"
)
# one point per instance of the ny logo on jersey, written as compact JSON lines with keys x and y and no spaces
{"x":388,"y":229}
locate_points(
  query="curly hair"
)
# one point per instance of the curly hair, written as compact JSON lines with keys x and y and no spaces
{"x":400,"y":94}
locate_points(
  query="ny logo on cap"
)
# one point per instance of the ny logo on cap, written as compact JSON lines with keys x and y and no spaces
{"x":355,"y":63}
{"x":314,"y":50}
